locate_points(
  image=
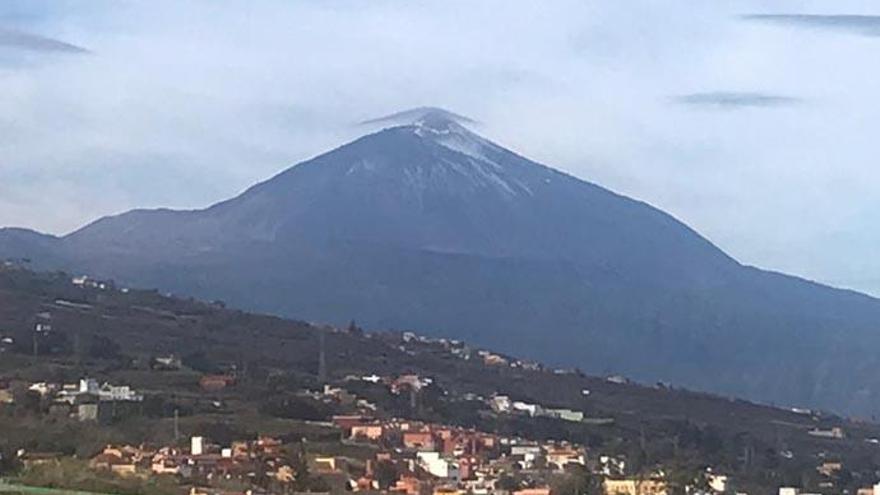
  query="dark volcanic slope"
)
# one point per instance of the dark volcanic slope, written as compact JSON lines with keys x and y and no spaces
{"x":429,"y":226}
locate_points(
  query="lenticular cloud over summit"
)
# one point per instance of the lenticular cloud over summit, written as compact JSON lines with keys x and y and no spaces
{"x":418,"y":114}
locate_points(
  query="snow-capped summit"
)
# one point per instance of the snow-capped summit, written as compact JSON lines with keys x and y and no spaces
{"x":449,"y":130}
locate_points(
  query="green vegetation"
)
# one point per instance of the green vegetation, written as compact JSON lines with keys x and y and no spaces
{"x":60,"y":477}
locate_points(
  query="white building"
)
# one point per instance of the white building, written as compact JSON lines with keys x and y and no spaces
{"x":565,"y":414}
{"x":197,"y":445}
{"x":42,"y":388}
{"x":718,"y":482}
{"x":119,"y":392}
{"x":105,"y":392}
{"x":438,"y":466}
{"x":88,"y":386}
{"x":501,"y":403}
{"x":530,"y":409}
{"x":612,"y":466}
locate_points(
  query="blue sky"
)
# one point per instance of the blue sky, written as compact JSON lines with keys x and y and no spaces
{"x":753,"y":122}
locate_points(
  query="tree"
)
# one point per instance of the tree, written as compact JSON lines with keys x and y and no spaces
{"x":305,"y":482}
{"x":102,"y":347}
{"x":199,"y":361}
{"x":8,"y":463}
{"x":32,"y":402}
{"x":508,"y":483}
{"x":385,"y":474}
{"x":577,"y":481}
{"x":354,"y":329}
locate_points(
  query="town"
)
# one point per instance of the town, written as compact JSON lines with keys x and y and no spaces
{"x":357,"y":411}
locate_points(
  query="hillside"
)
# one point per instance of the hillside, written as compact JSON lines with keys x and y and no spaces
{"x":276,"y":358}
{"x":427,"y":225}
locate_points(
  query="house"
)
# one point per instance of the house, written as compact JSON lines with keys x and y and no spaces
{"x":7,"y":394}
{"x":339,"y":394}
{"x":612,"y":466}
{"x":834,"y":433}
{"x":789,"y":490}
{"x":524,"y":407}
{"x":214,"y":383}
{"x":617,"y":379}
{"x":408,"y":485}
{"x":327,"y":464}
{"x":563,"y":456}
{"x":409,"y":383}
{"x":494,"y":360}
{"x":170,"y":461}
{"x":364,"y":483}
{"x":31,"y":459}
{"x":526,"y":450}
{"x":533,"y":491}
{"x":89,"y":387}
{"x":438,"y":466}
{"x":501,"y":404}
{"x":268,"y":446}
{"x":124,"y":393}
{"x":197,"y":445}
{"x":346,"y":422}
{"x":166,"y":363}
{"x":371,"y":432}
{"x":634,"y":486}
{"x":114,"y":463}
{"x":83,"y":282}
{"x":419,"y":440}
{"x":718,"y":482}
{"x":565,"y":414}
{"x":43,"y":388}
{"x":525,"y":455}
{"x":829,"y":468}
{"x":284,"y":474}
{"x":447,"y":490}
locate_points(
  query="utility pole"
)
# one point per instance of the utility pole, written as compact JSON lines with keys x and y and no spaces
{"x":176,"y":425}
{"x":643,"y":444}
{"x":77,"y":350}
{"x":322,"y":357}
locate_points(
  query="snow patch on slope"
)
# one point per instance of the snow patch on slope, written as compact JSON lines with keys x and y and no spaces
{"x":472,"y":163}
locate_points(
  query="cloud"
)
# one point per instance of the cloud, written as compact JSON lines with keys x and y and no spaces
{"x":412,"y":115}
{"x":733,"y":99}
{"x":865,"y":25}
{"x":21,"y":40}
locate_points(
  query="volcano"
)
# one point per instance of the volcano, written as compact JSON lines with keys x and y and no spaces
{"x":427,"y":225}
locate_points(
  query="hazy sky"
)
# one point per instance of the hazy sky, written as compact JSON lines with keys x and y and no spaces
{"x":755,"y":123}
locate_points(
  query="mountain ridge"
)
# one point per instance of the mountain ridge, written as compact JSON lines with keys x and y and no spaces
{"x":427,"y":225}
